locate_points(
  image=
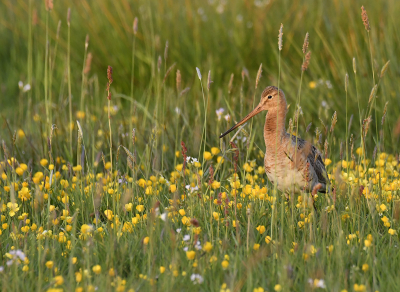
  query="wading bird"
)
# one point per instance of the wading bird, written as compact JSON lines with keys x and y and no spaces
{"x":291,"y":162}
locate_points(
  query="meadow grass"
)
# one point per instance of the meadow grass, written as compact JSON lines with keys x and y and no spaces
{"x":112,"y":175}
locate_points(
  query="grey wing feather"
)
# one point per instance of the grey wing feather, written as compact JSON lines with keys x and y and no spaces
{"x":315,"y":159}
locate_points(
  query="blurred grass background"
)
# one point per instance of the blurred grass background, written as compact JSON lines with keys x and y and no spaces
{"x":217,"y":35}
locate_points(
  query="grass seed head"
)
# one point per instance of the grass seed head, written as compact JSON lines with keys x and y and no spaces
{"x":88,"y":63}
{"x":373,"y":93}
{"x":306,"y":61}
{"x":178,"y":81}
{"x":384,"y":113}
{"x":49,"y":5}
{"x":384,"y":69}
{"x":258,"y":75}
{"x":87,"y":41}
{"x":354,"y":66}
{"x":365,"y":19}
{"x":305,"y":44}
{"x":334,"y":121}
{"x":280,"y":37}
{"x":69,"y":17}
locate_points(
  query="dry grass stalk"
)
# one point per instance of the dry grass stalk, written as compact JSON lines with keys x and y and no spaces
{"x":365,"y":19}
{"x":305,"y":44}
{"x":183,"y":92}
{"x":230,"y":84}
{"x":209,"y":81}
{"x":346,"y":82}
{"x":354,"y":66}
{"x":168,"y":71}
{"x":135,"y":25}
{"x":396,"y":131}
{"x":280,"y":37}
{"x":258,"y":75}
{"x":110,"y":80}
{"x":166,"y":51}
{"x":159,"y":62}
{"x":306,"y":61}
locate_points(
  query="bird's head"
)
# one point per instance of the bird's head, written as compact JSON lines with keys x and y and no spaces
{"x":271,"y":101}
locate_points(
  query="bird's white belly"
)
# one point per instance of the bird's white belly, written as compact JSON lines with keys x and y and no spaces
{"x":287,"y":179}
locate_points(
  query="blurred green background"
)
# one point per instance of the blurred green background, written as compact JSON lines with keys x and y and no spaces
{"x":218,"y":35}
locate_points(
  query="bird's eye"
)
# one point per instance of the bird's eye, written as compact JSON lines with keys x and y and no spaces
{"x":269,"y":96}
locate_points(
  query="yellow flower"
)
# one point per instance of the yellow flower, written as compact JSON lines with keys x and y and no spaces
{"x":365,"y":267}
{"x":140,"y":208}
{"x":278,"y":287}
{"x":111,"y":272}
{"x":208,"y":246}
{"x":25,"y":268}
{"x":312,"y":84}
{"x":190,"y":254}
{"x":256,"y":246}
{"x":220,"y":159}
{"x":49,"y":264}
{"x":367,"y":243}
{"x":19,"y":171}
{"x":216,"y":185}
{"x":207,"y":155}
{"x":78,"y":277}
{"x":146,"y":240}
{"x":267,"y":239}
{"x":327,"y":161}
{"x":359,"y":288}
{"x":13,"y":208}
{"x":182,"y":212}
{"x":59,"y":280}
{"x":109,"y":214}
{"x":215,"y":215}
{"x":215,"y":150}
{"x":96,"y":269}
{"x":225,"y":264}
{"x":85,"y":229}
{"x":383,"y":207}
{"x":392,"y":231}
{"x":261,"y":229}
{"x":128,"y":207}
{"x":172,"y":188}
{"x":177,"y":154}
{"x":108,"y":165}
{"x":44,"y":162}
{"x":149,"y":190}
{"x":162,"y":270}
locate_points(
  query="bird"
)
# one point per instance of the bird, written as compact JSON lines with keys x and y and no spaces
{"x":290,"y":162}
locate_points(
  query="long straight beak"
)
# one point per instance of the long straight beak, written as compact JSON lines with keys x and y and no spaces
{"x":255,"y":111}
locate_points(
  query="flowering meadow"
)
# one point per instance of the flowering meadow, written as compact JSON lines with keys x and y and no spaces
{"x":112,"y":173}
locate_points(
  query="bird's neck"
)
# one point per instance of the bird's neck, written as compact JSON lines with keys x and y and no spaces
{"x":274,"y":127}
